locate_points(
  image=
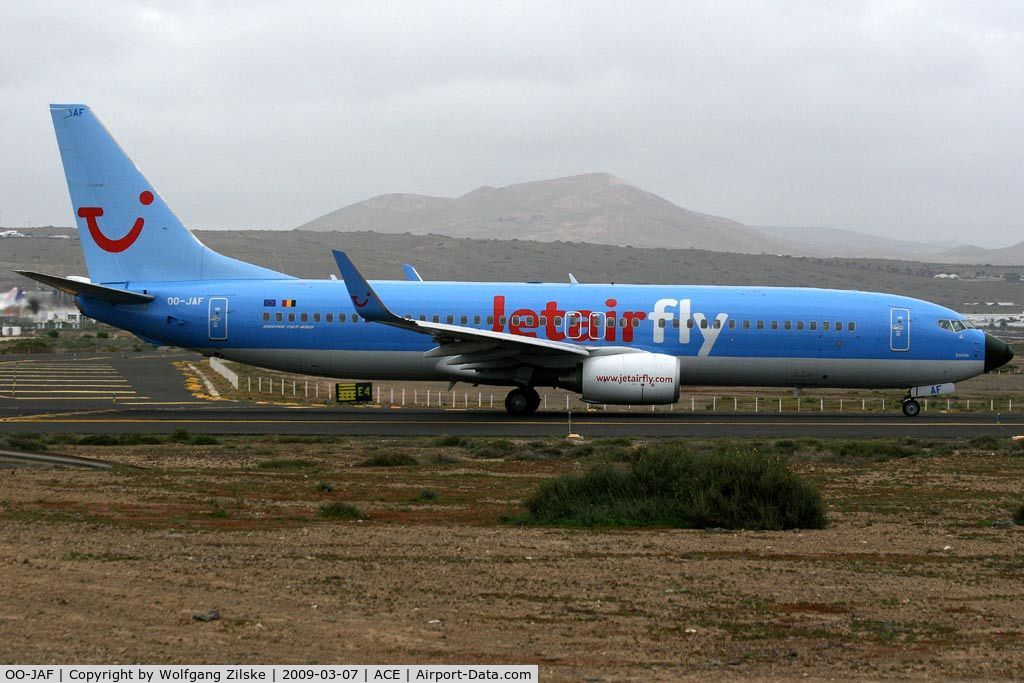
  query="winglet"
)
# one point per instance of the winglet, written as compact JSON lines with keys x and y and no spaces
{"x":365,"y":300}
{"x":410,"y":273}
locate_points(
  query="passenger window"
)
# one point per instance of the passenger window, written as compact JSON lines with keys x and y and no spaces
{"x":851,"y":326}
{"x":355,"y":317}
{"x":732,"y":324}
{"x":515,"y":320}
{"x":502,"y":320}
{"x":608,"y":322}
{"x":675,"y":323}
{"x":661,"y":323}
{"x":277,"y":317}
{"x":775,"y":324}
{"x":476,"y":320}
{"x":689,"y":323}
{"x":464,"y":320}
{"x":813,"y":325}
{"x":717,"y":324}
{"x":746,"y":324}
{"x":787,"y":325}
{"x":330,"y":317}
{"x":703,"y":323}
{"x":291,"y":317}
{"x":436,"y":318}
{"x":490,"y":319}
{"x":839,"y":327}
{"x":266,"y":316}
{"x":824,"y":326}
{"x":341,"y":317}
{"x":622,"y":322}
{"x":450,"y":319}
{"x":760,"y":324}
{"x":636,"y":322}
{"x":799,"y":324}
{"x":304,"y":317}
{"x":316,"y":317}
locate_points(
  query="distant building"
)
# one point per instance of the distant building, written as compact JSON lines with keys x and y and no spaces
{"x":11,"y":233}
{"x":10,"y":331}
{"x":947,"y":276}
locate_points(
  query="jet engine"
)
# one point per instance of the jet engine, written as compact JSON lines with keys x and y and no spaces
{"x":630,"y":378}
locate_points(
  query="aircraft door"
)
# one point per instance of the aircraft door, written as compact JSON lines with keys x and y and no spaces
{"x":218,"y":318}
{"x":899,"y":329}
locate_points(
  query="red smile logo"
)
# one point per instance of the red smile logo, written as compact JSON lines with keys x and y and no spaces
{"x":91,"y":213}
{"x":362,"y":304}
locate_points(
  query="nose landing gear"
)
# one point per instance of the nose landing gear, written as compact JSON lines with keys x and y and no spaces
{"x":911,"y":408}
{"x":522,"y":401}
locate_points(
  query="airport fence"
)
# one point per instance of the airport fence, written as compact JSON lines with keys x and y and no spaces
{"x":406,"y":396}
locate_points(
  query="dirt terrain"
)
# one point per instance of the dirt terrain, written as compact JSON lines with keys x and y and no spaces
{"x":919,"y":573}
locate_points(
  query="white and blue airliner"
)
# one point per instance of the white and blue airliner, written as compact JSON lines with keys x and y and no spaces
{"x":611,"y":343}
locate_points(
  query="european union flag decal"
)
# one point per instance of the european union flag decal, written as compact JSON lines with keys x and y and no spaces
{"x":270,"y":302}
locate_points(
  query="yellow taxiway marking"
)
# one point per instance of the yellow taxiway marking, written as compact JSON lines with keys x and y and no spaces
{"x":68,"y":413}
{"x":104,"y":397}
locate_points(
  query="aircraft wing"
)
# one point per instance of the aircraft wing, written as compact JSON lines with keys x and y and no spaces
{"x":466,"y":348}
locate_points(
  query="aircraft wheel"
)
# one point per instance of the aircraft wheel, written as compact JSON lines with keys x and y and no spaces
{"x":911,"y":408}
{"x":523,"y":401}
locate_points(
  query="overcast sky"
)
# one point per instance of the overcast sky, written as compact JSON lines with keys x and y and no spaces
{"x":903,"y":119}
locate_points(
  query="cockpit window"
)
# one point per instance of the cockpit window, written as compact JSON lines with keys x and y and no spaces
{"x":957,"y":325}
{"x":968,"y":324}
{"x":946,"y":325}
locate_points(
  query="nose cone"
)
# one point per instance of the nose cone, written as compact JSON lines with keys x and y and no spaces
{"x":997,"y":352}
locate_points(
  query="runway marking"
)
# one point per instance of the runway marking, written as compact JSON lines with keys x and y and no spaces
{"x":69,"y":413}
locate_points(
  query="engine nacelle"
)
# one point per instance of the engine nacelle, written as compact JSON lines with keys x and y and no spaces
{"x":633,"y":378}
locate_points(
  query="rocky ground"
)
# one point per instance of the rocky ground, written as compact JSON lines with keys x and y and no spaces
{"x":919,"y":574}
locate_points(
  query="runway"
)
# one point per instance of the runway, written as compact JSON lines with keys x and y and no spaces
{"x":247,"y":419}
{"x":145,"y":393}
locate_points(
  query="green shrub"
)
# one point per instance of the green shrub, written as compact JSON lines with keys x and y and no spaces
{"x":102,"y":335}
{"x":426,"y":495}
{"x":27,"y":345}
{"x":1018,"y":515}
{"x":118,"y":440}
{"x":286,"y":464}
{"x":53,"y":334}
{"x":183,"y":436}
{"x":671,"y":486}
{"x":448,"y":440}
{"x":26,"y":441}
{"x":389,"y":460}
{"x":985,"y":442}
{"x":339,"y":510}
{"x":325,"y":487}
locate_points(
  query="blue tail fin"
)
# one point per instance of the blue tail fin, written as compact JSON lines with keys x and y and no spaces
{"x":128,"y":233}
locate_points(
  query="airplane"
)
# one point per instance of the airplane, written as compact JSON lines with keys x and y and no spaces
{"x":610,"y":343}
{"x":12,"y":301}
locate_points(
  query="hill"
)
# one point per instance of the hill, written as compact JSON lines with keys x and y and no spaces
{"x":596,"y":208}
{"x":307,"y":254}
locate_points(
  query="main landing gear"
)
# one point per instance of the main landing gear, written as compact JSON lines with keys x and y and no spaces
{"x":522,"y":401}
{"x":911,"y":408}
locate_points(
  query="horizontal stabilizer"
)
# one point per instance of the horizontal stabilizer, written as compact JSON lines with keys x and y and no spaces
{"x":76,"y":287}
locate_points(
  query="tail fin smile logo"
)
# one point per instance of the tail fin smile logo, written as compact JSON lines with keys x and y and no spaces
{"x":358,"y":304}
{"x":114,"y":246}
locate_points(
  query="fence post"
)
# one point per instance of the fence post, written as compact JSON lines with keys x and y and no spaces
{"x":863,"y":405}
{"x":492,"y":400}
{"x":821,"y":407}
{"x":316,"y":386}
{"x":293,"y":388}
{"x":428,"y":398}
{"x":948,"y":405}
{"x":780,"y":404}
{"x":545,"y":401}
{"x":248,"y":384}
{"x":403,"y":396}
{"x":692,"y":404}
{"x":755,"y":404}
{"x":883,"y":405}
{"x":714,"y":403}
{"x":567,"y":401}
{"x":840,"y":405}
{"x":480,"y":400}
{"x":735,"y":404}
{"x":1009,"y":407}
{"x":391,"y":400}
